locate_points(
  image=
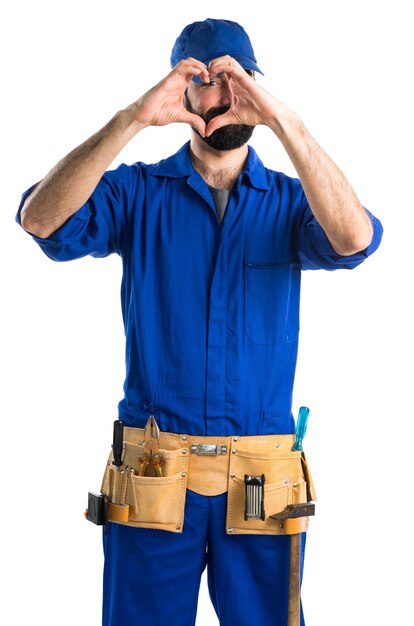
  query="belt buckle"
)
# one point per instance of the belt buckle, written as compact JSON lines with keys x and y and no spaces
{"x":208,"y":449}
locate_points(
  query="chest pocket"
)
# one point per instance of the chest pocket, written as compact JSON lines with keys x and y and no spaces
{"x":272,"y":288}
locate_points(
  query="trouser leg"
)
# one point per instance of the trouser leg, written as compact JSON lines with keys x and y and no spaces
{"x":248,"y":575}
{"x":152,"y":577}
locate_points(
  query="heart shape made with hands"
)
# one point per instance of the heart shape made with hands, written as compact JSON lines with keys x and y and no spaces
{"x":244,"y":91}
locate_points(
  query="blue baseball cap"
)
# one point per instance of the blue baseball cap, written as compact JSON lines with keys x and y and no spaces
{"x":210,"y":39}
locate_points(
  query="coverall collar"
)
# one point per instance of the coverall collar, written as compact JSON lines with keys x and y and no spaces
{"x":179,"y":166}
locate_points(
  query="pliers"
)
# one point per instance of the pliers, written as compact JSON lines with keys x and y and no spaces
{"x":151,"y":448}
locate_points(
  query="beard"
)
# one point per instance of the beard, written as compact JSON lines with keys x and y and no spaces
{"x":228,"y":137}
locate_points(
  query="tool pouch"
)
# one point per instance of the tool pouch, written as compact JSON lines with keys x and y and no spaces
{"x":151,"y":501}
{"x":287,"y":480}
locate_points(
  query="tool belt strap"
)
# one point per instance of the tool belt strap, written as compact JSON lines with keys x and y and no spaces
{"x":208,"y":456}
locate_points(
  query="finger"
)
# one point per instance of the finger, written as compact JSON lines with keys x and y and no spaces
{"x":192,"y":67}
{"x":203,"y":74}
{"x":195,"y":71}
{"x":220,"y":121}
{"x":192,"y":70}
{"x":225,"y":64}
{"x":194,"y":120}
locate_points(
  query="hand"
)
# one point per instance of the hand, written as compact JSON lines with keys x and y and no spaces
{"x":163,"y":104}
{"x":250,"y":103}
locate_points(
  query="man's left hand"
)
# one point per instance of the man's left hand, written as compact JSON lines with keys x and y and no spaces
{"x":250,"y":103}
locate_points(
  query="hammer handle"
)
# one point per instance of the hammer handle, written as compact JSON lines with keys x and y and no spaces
{"x":294,"y":581}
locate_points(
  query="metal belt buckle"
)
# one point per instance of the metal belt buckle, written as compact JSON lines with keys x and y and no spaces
{"x":208,"y":449}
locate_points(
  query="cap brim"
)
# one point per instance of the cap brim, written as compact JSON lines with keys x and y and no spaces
{"x":245,"y":62}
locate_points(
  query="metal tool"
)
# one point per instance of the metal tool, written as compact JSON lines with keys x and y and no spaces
{"x":151,"y":448}
{"x":254,"y":497}
{"x":293,"y":511}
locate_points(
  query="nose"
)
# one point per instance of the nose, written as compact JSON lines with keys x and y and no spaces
{"x":225,"y":93}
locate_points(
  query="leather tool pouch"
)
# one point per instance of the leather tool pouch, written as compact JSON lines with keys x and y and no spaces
{"x":153,"y":501}
{"x":287,"y":481}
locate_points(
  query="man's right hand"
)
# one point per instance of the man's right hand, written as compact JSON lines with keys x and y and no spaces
{"x":71,"y":182}
{"x":163,"y":104}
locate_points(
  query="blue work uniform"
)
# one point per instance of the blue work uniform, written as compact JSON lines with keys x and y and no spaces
{"x":211,"y":314}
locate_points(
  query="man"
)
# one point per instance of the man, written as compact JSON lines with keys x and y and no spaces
{"x":213,"y":244}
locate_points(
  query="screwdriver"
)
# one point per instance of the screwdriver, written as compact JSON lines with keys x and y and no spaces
{"x":301,"y":426}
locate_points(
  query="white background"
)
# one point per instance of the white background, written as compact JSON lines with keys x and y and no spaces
{"x":346,"y":68}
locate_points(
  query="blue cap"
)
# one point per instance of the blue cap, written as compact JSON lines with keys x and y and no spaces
{"x":211,"y":39}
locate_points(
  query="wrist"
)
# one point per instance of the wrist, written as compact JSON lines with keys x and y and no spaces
{"x":129,"y":119}
{"x":285,"y":123}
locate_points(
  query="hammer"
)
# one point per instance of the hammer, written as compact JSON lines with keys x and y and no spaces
{"x":291,"y":517}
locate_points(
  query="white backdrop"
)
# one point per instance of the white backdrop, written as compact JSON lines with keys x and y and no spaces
{"x":346,"y":68}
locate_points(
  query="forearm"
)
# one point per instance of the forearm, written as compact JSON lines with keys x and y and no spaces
{"x":330,"y":196}
{"x":71,"y":182}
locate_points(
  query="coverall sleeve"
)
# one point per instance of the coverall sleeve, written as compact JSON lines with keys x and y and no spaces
{"x":315,"y":250}
{"x":97,"y":228}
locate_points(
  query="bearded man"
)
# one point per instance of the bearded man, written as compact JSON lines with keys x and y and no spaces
{"x":213,"y":244}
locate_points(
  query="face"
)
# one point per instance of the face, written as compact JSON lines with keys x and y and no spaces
{"x":210,"y":100}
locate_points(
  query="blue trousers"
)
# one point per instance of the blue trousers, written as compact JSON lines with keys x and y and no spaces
{"x":152,"y":577}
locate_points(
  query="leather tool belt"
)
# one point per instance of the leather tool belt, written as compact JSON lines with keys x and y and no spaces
{"x":209,"y":466}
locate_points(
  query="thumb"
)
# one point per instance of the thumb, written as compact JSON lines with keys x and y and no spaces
{"x":221,"y":120}
{"x":194,"y":120}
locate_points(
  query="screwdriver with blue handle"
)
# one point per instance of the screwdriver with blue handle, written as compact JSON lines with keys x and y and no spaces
{"x":301,"y":426}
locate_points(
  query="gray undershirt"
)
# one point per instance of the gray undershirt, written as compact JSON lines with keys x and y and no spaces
{"x":220,"y":197}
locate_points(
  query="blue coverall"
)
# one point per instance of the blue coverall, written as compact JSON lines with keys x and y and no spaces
{"x":211,"y":314}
